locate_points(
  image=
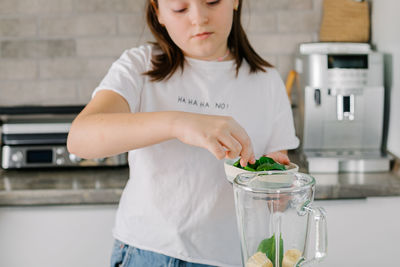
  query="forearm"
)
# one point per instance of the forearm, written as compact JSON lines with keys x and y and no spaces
{"x":101,"y":135}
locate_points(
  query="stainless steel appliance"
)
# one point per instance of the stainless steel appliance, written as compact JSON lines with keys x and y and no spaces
{"x":34,"y":137}
{"x":341,"y":107}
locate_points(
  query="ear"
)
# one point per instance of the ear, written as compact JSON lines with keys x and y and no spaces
{"x":160,"y":20}
{"x":159,"y":16}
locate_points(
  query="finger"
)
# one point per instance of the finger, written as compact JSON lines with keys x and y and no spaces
{"x":247,"y":153}
{"x":283,"y":159}
{"x":233,"y":147}
{"x":279,"y":157}
{"x":216,"y":149}
{"x":252,"y":159}
{"x":273,"y":156}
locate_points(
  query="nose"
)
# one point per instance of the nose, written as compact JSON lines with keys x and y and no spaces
{"x":199,"y":14}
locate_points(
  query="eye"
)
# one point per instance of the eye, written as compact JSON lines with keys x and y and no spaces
{"x":213,"y":3}
{"x":180,"y":10}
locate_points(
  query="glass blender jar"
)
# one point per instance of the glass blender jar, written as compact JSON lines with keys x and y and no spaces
{"x":275,"y":216}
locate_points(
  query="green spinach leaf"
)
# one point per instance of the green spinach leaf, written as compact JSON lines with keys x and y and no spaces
{"x":267,"y":246}
{"x":261,"y":164}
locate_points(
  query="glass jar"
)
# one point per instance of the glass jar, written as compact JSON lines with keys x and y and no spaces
{"x":275,"y":214}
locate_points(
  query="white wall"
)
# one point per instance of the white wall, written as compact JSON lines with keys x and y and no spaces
{"x":386,"y":37}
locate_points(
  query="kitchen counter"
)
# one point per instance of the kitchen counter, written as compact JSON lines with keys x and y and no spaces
{"x":105,"y":185}
{"x":62,"y":186}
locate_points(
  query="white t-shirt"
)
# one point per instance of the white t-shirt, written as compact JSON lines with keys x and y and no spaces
{"x":178,"y":201}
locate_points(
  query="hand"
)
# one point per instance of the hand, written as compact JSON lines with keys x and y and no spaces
{"x":280,"y":157}
{"x":221,"y":135}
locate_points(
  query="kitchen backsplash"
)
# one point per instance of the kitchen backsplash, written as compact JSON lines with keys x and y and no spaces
{"x":55,"y":52}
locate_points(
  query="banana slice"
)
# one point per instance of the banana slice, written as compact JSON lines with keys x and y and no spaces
{"x":291,"y":257}
{"x":259,"y":260}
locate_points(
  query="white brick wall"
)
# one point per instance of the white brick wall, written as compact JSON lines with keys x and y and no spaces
{"x":17,"y":70}
{"x":35,"y":7}
{"x":78,"y":26}
{"x":18,"y":27}
{"x":101,"y":47}
{"x":74,"y":68}
{"x":57,"y":51}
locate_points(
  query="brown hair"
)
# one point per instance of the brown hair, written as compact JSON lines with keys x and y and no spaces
{"x":166,"y":63}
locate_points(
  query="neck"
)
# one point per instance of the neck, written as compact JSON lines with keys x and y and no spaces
{"x":221,"y":58}
{"x":224,"y":56}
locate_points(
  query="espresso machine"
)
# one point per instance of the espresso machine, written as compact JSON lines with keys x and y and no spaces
{"x":341,"y":107}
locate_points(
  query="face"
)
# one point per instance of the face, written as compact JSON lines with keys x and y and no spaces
{"x":200,"y":28}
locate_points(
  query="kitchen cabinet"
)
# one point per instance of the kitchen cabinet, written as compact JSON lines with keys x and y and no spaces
{"x":364,"y":232}
{"x":361,"y":232}
{"x":62,"y":236}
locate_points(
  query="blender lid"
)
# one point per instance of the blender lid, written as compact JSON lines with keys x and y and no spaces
{"x":274,"y":182}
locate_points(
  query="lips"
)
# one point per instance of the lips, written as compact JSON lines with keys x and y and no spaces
{"x":202,"y":35}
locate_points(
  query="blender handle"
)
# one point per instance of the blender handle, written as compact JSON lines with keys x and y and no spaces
{"x":321,"y":236}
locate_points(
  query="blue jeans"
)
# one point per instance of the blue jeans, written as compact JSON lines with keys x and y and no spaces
{"x":124,"y":255}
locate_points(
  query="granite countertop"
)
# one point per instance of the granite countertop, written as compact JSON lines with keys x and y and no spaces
{"x":354,"y":185}
{"x":62,"y":186}
{"x":105,"y":185}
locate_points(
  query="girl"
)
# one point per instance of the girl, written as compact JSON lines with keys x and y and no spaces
{"x":199,"y":94}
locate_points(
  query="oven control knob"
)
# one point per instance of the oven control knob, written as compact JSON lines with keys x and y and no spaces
{"x":60,"y":161}
{"x":75,"y":158}
{"x":17,"y":156}
{"x":60,"y":151}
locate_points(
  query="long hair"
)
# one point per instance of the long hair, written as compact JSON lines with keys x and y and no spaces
{"x":171,"y":58}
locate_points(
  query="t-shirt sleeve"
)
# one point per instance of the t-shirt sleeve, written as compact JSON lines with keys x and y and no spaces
{"x":283,"y":135}
{"x":125,"y":76}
